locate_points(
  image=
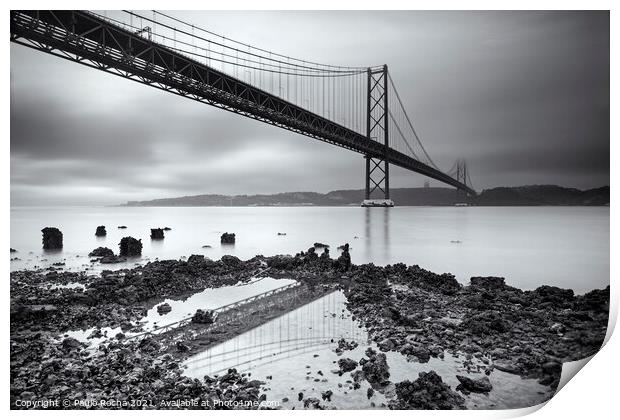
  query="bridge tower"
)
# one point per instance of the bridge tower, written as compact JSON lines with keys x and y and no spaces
{"x":461,"y":171}
{"x":377,"y":167}
{"x":461,"y":176}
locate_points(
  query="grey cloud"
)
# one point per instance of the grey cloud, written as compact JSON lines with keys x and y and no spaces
{"x":523,"y":96}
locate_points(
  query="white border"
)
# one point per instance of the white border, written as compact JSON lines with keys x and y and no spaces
{"x":592,"y":395}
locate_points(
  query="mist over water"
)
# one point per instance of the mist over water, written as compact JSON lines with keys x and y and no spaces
{"x":529,"y":246}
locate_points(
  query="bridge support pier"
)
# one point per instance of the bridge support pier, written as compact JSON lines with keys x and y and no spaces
{"x":377,"y":178}
{"x":377,"y":167}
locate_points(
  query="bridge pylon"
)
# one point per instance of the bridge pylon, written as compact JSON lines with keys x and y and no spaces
{"x":461,"y":176}
{"x":377,"y":166}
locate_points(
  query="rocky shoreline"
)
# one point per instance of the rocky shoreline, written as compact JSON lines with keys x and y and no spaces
{"x":530,"y":333}
{"x":406,"y":309}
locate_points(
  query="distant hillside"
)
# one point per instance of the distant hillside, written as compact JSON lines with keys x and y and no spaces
{"x":533,"y":195}
{"x":542,"y":195}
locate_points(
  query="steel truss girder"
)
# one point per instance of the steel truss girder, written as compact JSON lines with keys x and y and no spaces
{"x":84,"y":38}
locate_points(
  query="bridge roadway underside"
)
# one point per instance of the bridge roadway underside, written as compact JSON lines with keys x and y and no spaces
{"x":87,"y":39}
{"x":236,"y":321}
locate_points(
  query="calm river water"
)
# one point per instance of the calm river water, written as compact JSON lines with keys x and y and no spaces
{"x":530,"y":246}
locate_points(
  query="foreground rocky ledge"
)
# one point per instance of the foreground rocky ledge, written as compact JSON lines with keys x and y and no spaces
{"x":406,"y":309}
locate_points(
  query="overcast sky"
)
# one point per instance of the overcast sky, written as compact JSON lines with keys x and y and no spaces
{"x":522,"y":96}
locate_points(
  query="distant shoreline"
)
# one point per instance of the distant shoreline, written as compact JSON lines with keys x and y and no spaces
{"x":349,"y":205}
{"x":533,"y":195}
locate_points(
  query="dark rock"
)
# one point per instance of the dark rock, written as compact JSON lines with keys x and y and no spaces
{"x":300,"y":396}
{"x":27,"y":396}
{"x":488,"y":282}
{"x":320,"y":245}
{"x":427,"y":280}
{"x":13,"y":250}
{"x":553,"y":295}
{"x":167,"y":228}
{"x":231,"y":260}
{"x":206,"y":246}
{"x":480,"y":385}
{"x":324,"y":259}
{"x":130,"y":247}
{"x":428,"y":392}
{"x":344,"y":345}
{"x":487,"y":322}
{"x":52,"y":238}
{"x":164,"y":308}
{"x":552,"y":367}
{"x":203,"y":317}
{"x":281,"y":234}
{"x":157,"y":233}
{"x":344,"y":260}
{"x":283,"y":262}
{"x":421,"y":353}
{"x":32,"y":312}
{"x":347,"y":365}
{"x":122,"y":227}
{"x":95,"y":334}
{"x":313,"y":403}
{"x":507,"y":367}
{"x":112,"y":259}
{"x":596,"y":300}
{"x":101,"y":252}
{"x":558,"y":328}
{"x":369,"y":393}
{"x":149,"y":345}
{"x":327,"y":395}
{"x":71,"y":343}
{"x":100,"y":231}
{"x":311,"y":255}
{"x":227,"y":238}
{"x":376,"y":369}
{"x":182,"y":347}
{"x":196,"y":259}
{"x":548,"y":380}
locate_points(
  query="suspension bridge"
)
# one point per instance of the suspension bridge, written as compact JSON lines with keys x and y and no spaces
{"x":316,"y":326}
{"x":356,"y":108}
{"x":233,"y":319}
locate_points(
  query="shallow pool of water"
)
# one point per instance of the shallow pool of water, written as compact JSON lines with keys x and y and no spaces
{"x":211,"y":298}
{"x":295,"y":353}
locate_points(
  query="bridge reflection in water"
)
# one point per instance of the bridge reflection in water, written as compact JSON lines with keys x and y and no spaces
{"x":294,"y":354}
{"x":315,"y":326}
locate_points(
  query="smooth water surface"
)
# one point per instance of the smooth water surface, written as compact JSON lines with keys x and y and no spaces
{"x":530,"y":246}
{"x":295,"y":353}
